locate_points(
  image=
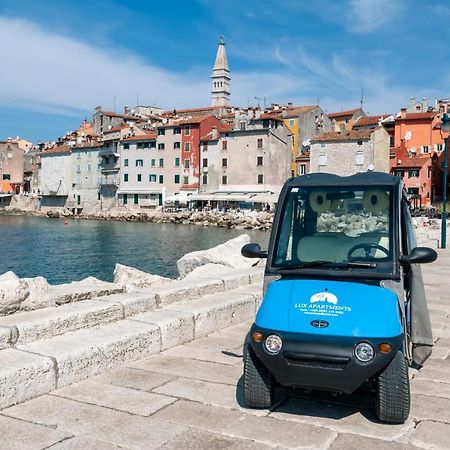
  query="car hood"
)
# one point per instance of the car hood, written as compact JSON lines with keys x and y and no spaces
{"x":330,"y":308}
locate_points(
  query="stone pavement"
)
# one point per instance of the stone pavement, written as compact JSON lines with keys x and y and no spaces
{"x":190,"y":397}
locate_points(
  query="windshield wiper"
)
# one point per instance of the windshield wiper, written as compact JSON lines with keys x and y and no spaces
{"x":332,"y":265}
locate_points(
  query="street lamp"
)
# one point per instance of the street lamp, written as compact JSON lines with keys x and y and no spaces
{"x":445,"y":128}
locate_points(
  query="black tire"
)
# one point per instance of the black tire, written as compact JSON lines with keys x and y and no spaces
{"x":392,"y":400}
{"x":258,"y":382}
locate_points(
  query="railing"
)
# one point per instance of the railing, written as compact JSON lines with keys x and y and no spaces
{"x":109,"y":180}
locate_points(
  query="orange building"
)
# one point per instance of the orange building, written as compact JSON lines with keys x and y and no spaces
{"x":417,"y":154}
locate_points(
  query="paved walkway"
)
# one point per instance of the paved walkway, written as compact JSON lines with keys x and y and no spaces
{"x":190,"y":397}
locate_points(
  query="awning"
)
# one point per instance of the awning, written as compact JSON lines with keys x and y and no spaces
{"x":265,"y":198}
{"x":5,"y":186}
{"x":182,"y":197}
{"x":221,"y":197}
{"x":138,"y":191}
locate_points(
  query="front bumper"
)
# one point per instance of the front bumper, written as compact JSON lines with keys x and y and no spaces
{"x":322,"y":362}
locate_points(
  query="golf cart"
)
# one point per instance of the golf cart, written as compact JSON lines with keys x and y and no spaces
{"x":344,"y":304}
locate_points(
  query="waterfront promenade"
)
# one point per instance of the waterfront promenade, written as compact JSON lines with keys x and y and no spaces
{"x":190,"y":397}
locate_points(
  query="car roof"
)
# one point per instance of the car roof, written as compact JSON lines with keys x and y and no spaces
{"x":332,"y":180}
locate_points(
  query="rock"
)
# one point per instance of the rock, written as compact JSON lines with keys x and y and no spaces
{"x":209,"y":271}
{"x":12,"y":293}
{"x":130,"y":278}
{"x":38,"y":289}
{"x":227,"y":254}
{"x":53,"y":214}
{"x":90,"y":281}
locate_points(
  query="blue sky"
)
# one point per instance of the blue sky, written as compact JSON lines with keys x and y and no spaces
{"x":60,"y":59}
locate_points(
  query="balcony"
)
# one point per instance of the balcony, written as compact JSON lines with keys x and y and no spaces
{"x":109,"y":180}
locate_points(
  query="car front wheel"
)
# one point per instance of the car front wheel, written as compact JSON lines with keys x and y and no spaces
{"x":392,"y":400}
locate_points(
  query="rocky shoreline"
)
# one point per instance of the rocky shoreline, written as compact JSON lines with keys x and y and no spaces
{"x":248,"y":220}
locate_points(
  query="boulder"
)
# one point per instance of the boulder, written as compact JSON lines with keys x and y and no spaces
{"x":227,"y":254}
{"x":12,"y":293}
{"x":209,"y":271}
{"x":38,"y":290}
{"x":130,"y":279}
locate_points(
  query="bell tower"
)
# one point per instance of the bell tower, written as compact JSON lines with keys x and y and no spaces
{"x":220,"y":77}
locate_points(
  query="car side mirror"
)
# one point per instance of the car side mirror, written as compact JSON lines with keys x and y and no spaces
{"x":253,"y":251}
{"x":420,"y":255}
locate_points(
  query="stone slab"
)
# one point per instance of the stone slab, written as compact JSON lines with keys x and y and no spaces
{"x":141,"y":380}
{"x":96,"y":422}
{"x":82,"y":443}
{"x":24,"y":376}
{"x":115,"y":397}
{"x":427,"y":387}
{"x":426,"y":407}
{"x":190,"y":368}
{"x":285,"y":434}
{"x":354,"y":442}
{"x":175,"y":327}
{"x":48,"y":322}
{"x":83,"y":353}
{"x":19,"y":435}
{"x":135,"y":303}
{"x":217,"y":311}
{"x":433,"y":435}
{"x":342,"y":419}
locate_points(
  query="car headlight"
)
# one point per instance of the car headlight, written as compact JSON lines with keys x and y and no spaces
{"x":273,"y":344}
{"x":364,"y":352}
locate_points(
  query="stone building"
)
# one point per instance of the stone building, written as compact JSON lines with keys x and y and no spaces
{"x":343,"y":120}
{"x":12,"y":164}
{"x":350,"y":152}
{"x":220,"y":78}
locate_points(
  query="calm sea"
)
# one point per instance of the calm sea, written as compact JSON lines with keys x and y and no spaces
{"x":32,"y":246}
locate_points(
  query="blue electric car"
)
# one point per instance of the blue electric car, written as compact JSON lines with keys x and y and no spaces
{"x":344,"y":303}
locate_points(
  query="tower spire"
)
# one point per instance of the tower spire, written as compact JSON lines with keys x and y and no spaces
{"x":220,"y":77}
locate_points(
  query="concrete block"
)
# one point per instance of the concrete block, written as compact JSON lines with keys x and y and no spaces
{"x":218,"y":311}
{"x":20,"y":435}
{"x":175,"y":327}
{"x":96,"y":422}
{"x":48,"y":322}
{"x":24,"y":376}
{"x":115,"y":397}
{"x":135,"y":303}
{"x":83,"y":353}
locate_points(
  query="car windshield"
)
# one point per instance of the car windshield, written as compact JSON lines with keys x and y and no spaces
{"x":340,"y":228}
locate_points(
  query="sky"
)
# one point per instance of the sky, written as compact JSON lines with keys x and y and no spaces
{"x":61,"y":59}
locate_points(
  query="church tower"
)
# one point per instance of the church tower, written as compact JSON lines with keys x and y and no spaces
{"x":220,"y":78}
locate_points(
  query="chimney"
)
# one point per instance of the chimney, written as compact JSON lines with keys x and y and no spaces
{"x":412,"y":104}
{"x":125,"y":109}
{"x":98,"y":108}
{"x":424,"y":104}
{"x":290,"y":104}
{"x":403,"y":112}
{"x":214,"y":133}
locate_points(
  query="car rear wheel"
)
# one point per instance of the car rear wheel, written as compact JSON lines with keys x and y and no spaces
{"x":258,"y":382}
{"x":392,"y":401}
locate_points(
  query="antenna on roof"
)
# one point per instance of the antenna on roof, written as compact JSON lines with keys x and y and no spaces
{"x":137,"y":99}
{"x":114,"y":109}
{"x":362,"y":97}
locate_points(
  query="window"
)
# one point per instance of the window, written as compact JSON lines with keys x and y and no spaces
{"x":125,"y":177}
{"x":176,"y":145}
{"x":224,"y":162}
{"x":205,"y":178}
{"x":125,"y":162}
{"x":205,"y":146}
{"x":205,"y":162}
{"x":177,"y":162}
{"x":259,"y":143}
{"x":359,"y":158}
{"x":185,"y":180}
{"x":126,"y":146}
{"x":177,"y":130}
{"x":152,"y":144}
{"x":139,"y":177}
{"x":161,"y":162}
{"x":425,"y":149}
{"x":177,"y":179}
{"x":136,"y":199}
{"x":430,"y":172}
{"x":187,"y":147}
{"x":260,"y":178}
{"x":153,"y":162}
{"x":291,"y":122}
{"x":412,"y":173}
{"x":161,"y":131}
{"x":266,"y":123}
{"x":187,"y":130}
{"x":360,"y":142}
{"x":161,"y":179}
{"x":125,"y":199}
{"x":186,"y":163}
{"x":439,"y":147}
{"x":259,"y":160}
{"x":322,"y":160}
{"x":224,"y":145}
{"x":7,"y":176}
{"x":391,"y":141}
{"x":139,"y":163}
{"x":161,"y":146}
{"x":399,"y":173}
{"x":152,"y":178}
{"x":243,"y":125}
{"x":224,"y":179}
{"x":302,"y":169}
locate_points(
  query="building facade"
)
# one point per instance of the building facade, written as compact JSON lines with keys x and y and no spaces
{"x":12,"y":164}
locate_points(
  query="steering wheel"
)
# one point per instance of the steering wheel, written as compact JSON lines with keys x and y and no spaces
{"x":367,"y":247}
